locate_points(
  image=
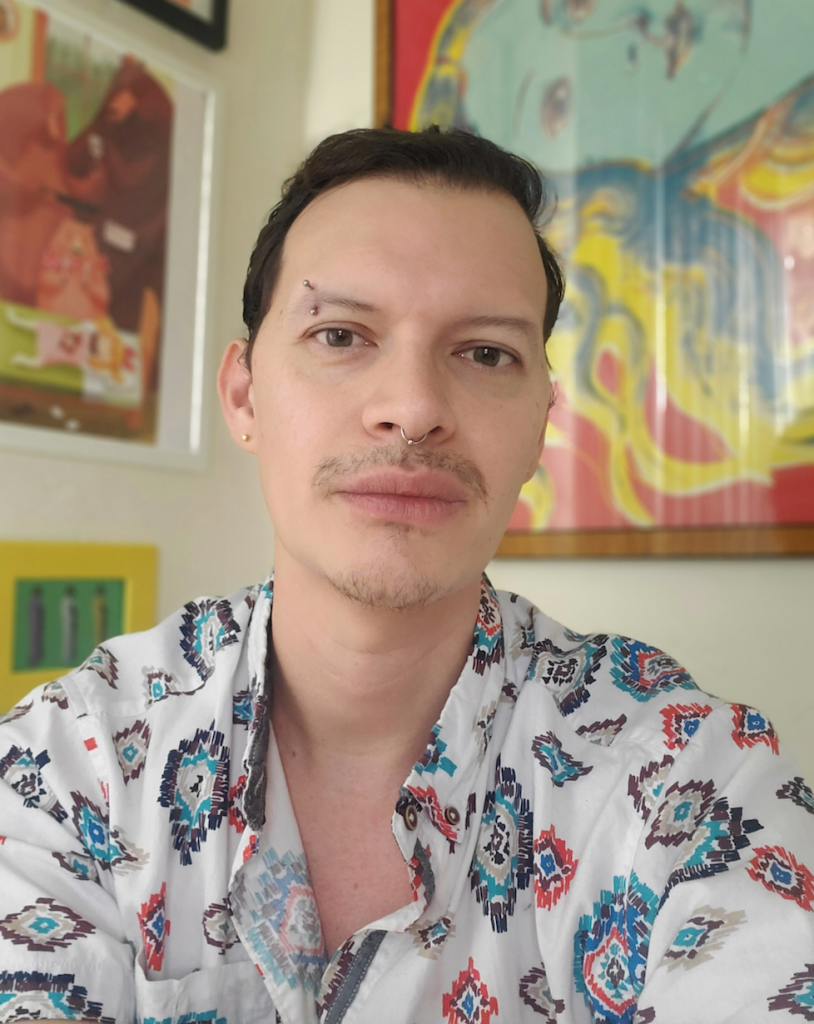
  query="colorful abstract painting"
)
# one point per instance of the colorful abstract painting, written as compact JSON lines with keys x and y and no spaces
{"x":679,"y":139}
{"x":85,"y":144}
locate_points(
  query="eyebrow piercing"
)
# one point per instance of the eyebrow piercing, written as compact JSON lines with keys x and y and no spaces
{"x":313,"y":311}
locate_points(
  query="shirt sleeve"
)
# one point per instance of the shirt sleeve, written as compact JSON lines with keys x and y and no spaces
{"x":63,"y":952}
{"x":731,"y":842}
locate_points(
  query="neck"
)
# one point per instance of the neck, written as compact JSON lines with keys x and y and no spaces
{"x":360,"y":684}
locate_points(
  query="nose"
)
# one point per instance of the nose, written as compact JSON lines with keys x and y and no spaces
{"x":408,"y":402}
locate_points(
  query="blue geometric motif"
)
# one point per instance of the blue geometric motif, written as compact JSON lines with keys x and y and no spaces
{"x":205,"y":629}
{"x":644,"y":671}
{"x":108,"y":847}
{"x":242,"y":708}
{"x":716,"y":842}
{"x":610,"y":950}
{"x":433,"y":757}
{"x":33,"y":995}
{"x":798,"y":996}
{"x":286,"y":934}
{"x":566,"y":673}
{"x":504,"y":856}
{"x":195,"y":788}
{"x":798,"y":792}
{"x":487,"y":642}
{"x":207,"y":1017}
{"x":21,"y":770}
{"x":548,"y":751}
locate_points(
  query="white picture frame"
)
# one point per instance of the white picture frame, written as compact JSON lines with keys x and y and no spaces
{"x":181,"y":401}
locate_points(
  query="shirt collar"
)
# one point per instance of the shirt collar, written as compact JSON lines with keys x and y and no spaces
{"x":440,"y":782}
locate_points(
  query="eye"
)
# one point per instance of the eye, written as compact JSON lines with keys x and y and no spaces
{"x":336,"y":337}
{"x":489,"y":355}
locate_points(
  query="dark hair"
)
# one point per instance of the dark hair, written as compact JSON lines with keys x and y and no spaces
{"x":451,"y":157}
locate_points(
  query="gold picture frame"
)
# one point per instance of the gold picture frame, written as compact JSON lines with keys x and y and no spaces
{"x":116,"y":583}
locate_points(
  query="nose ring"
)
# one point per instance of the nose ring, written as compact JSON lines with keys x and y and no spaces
{"x":410,"y":440}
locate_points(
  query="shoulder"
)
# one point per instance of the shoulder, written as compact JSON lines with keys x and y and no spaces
{"x":606,"y":687}
{"x":203,"y":639}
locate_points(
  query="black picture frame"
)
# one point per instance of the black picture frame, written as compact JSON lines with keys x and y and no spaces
{"x":210,"y":34}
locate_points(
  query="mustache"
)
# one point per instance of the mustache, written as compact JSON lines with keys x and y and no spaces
{"x":464,"y":469}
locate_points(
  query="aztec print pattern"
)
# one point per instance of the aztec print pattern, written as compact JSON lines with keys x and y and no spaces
{"x":22,"y":770}
{"x":503,"y":857}
{"x":573,"y":786}
{"x":469,"y":1001}
{"x":705,"y":932}
{"x":798,"y":996}
{"x":155,"y":927}
{"x":610,"y":950}
{"x":44,"y":927}
{"x":33,"y":995}
{"x":195,"y":788}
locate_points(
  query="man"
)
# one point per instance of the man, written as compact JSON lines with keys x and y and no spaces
{"x":238,"y":814}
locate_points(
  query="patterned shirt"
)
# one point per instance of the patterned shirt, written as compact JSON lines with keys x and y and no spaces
{"x":589,"y":838}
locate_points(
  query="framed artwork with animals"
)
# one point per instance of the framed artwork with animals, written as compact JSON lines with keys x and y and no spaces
{"x":678,"y":140}
{"x":105,"y":186}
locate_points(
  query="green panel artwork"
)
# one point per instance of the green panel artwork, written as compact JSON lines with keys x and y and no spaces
{"x":58,"y":622}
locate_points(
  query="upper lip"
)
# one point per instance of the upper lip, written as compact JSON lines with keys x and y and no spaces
{"x":417,"y":484}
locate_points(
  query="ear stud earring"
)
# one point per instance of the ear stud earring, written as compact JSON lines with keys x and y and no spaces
{"x":244,"y":437}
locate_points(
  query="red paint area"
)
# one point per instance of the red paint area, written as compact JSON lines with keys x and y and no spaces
{"x":414,"y":25}
{"x":678,"y":435}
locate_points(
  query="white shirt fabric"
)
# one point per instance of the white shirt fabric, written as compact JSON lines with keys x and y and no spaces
{"x":589,"y":837}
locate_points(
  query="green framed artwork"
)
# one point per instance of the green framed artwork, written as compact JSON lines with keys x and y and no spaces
{"x":59,"y":601}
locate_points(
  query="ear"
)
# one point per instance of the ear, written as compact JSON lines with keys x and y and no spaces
{"x":235,"y":392}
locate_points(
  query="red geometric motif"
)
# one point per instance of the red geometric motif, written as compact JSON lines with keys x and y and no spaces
{"x":751,"y":728}
{"x":155,"y":928}
{"x":554,"y":868}
{"x":428,"y":798}
{"x":418,"y":867}
{"x":236,"y":818}
{"x":469,"y":1002}
{"x":780,"y":872}
{"x":606,"y":975}
{"x":681,"y":722}
{"x":250,"y":848}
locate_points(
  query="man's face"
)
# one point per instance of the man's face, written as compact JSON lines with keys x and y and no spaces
{"x":429,"y":310}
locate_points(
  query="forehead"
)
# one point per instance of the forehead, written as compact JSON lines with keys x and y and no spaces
{"x":425,"y":235}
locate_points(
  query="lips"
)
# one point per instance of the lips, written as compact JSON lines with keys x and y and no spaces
{"x":429,"y":484}
{"x":422,"y":498}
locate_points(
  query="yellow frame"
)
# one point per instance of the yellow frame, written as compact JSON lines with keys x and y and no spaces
{"x":135,"y":564}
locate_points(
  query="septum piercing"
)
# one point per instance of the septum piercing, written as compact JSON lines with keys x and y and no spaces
{"x":410,"y":440}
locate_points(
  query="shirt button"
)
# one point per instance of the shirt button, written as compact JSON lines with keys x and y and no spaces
{"x":452,"y":815}
{"x":410,"y":815}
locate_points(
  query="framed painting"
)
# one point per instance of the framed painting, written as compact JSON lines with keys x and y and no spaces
{"x":679,"y":140}
{"x":201,"y":20}
{"x":60,"y":601}
{"x":105,"y":191}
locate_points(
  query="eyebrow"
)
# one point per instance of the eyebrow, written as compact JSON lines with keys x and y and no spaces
{"x":516,"y":324}
{"x":318,"y":298}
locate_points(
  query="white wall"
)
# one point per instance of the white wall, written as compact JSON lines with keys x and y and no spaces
{"x":211,"y":528}
{"x":738,"y":625}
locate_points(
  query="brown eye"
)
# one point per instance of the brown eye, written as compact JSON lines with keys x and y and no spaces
{"x":486,"y":356}
{"x":338,"y":337}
